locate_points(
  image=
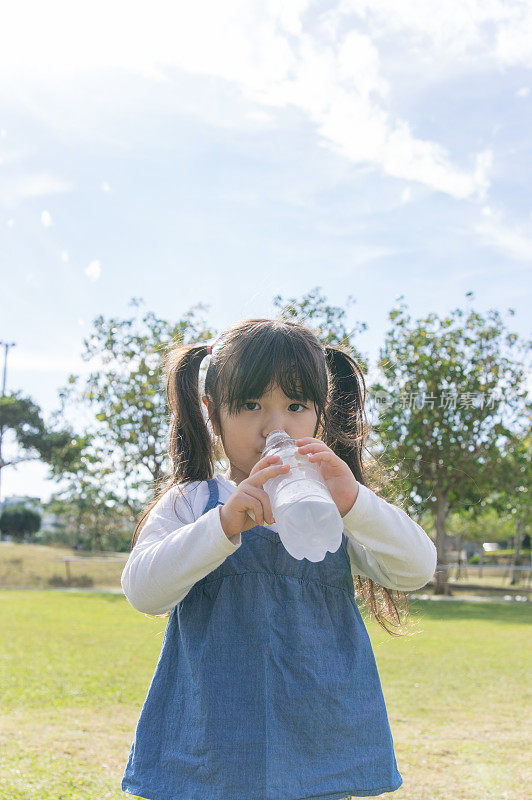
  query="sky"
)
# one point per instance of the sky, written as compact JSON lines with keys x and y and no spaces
{"x":225,"y":153}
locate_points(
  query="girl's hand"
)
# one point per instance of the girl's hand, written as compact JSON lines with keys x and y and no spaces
{"x":249,"y":495}
{"x":336,"y":474}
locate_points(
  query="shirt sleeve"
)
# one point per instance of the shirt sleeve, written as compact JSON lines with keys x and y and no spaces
{"x":386,"y":545}
{"x":176,"y":547}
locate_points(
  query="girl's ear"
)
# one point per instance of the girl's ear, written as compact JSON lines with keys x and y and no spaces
{"x":206,"y":401}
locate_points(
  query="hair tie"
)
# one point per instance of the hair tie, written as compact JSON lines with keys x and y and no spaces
{"x":209,"y":349}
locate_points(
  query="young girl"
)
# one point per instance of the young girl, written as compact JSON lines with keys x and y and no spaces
{"x":266,"y":686}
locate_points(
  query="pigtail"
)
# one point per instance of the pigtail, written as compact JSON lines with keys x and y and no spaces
{"x":190,"y":446}
{"x":190,"y":443}
{"x":345,"y":432}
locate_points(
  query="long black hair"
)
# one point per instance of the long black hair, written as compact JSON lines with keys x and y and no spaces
{"x":246,"y":359}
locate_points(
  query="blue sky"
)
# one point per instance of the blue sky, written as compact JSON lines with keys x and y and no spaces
{"x":232,"y":151}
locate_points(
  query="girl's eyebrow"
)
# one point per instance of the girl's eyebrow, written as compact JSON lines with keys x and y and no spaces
{"x":294,"y":399}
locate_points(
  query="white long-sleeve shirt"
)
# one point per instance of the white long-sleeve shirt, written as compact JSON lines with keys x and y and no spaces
{"x":178,"y":545}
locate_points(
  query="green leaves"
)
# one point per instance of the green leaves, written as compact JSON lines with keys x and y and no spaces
{"x":457,"y":401}
{"x":123,"y":398}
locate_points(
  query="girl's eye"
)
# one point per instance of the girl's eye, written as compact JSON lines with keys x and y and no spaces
{"x":254,"y":402}
{"x":298,"y":404}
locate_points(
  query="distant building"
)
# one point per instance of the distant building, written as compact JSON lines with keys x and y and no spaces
{"x":22,"y":500}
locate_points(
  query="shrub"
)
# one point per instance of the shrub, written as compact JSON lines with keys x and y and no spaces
{"x":75,"y":580}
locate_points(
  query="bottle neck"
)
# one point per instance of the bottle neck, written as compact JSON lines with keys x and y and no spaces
{"x":275,"y":440}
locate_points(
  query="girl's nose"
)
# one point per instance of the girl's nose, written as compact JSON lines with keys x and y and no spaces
{"x":274,"y":426}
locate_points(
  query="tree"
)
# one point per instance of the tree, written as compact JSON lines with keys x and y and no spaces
{"x":93,"y":512}
{"x":480,"y":523}
{"x":125,"y":442}
{"x":453,"y":388}
{"x":18,"y":521}
{"x":326,"y":321}
{"x":35,"y":440}
{"x":511,"y":495}
{"x":504,"y":512}
{"x":92,"y":522}
{"x":126,"y":429}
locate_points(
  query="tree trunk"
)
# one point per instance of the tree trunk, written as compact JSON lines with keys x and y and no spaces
{"x":459,"y":551}
{"x":441,"y":582}
{"x":96,"y":540}
{"x":516,"y":560}
{"x":77,"y":525}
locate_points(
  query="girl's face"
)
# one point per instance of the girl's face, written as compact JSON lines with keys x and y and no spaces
{"x":244,"y":434}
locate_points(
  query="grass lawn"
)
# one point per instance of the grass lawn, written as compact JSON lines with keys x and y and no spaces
{"x":75,"y":668}
{"x":36,"y":566}
{"x":30,"y":566}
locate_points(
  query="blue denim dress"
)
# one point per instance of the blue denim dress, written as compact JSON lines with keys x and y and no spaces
{"x":266,"y":686}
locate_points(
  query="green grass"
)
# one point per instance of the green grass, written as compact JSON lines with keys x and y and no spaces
{"x":36,"y":566}
{"x":30,"y":566}
{"x":75,"y":668}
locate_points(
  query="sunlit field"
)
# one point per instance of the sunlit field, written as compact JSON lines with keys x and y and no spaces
{"x":75,"y":668}
{"x":30,"y":566}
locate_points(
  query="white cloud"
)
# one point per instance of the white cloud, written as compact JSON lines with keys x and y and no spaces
{"x":514,"y":36}
{"x":343,"y":98}
{"x":330,"y":64}
{"x":524,"y":91}
{"x":486,"y":30}
{"x":46,"y":219}
{"x":94,"y":270}
{"x":64,"y":256}
{"x":14,"y":191}
{"x":488,"y":211}
{"x":513,"y":241}
{"x":264,"y":117}
{"x":25,"y":361}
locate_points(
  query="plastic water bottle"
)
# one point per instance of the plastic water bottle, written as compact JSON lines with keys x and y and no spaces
{"x":307,"y":519}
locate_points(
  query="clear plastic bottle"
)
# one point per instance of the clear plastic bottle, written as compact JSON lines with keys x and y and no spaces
{"x":307,"y":519}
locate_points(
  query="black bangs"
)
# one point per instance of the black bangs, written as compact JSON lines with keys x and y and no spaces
{"x":269,"y":358}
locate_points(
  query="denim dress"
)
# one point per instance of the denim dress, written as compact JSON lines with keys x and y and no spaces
{"x":266,"y":686}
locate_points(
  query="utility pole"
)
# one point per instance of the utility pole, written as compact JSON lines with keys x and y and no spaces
{"x":7,"y":345}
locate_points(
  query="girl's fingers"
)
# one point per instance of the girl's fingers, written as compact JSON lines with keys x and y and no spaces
{"x":313,"y":451}
{"x":256,"y":509}
{"x":312,"y":446}
{"x":262,"y":463}
{"x":254,"y":485}
{"x":262,"y":498}
{"x":262,"y":475}
{"x":324,"y":455}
